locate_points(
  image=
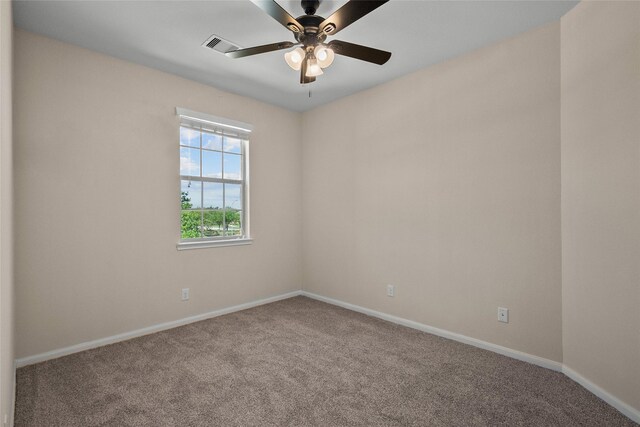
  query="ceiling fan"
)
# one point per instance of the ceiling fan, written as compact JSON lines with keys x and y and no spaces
{"x":311,"y":31}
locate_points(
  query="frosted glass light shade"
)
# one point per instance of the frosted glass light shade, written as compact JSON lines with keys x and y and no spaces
{"x":294,"y":58}
{"x":324,"y":55}
{"x":313,"y":68}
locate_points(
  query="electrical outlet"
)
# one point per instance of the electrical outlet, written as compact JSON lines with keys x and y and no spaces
{"x":391,"y":290}
{"x":185,"y":294}
{"x":503,"y":314}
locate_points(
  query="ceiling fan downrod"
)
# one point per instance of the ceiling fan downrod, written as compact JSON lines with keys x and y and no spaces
{"x":310,"y":6}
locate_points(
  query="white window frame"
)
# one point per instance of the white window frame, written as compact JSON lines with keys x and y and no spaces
{"x":236,"y":129}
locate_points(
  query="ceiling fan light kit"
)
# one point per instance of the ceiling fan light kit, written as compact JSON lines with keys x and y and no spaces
{"x":316,"y":58}
{"x":312,"y":55}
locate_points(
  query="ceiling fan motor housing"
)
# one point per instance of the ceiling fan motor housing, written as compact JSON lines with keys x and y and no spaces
{"x":311,"y":23}
{"x":312,"y":35}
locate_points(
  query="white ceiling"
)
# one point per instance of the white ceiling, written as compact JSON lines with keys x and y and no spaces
{"x":167,"y":35}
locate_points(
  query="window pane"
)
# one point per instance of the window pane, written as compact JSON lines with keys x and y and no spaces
{"x":232,"y":166}
{"x":190,"y":137}
{"x":190,"y":194}
{"x":233,"y":196}
{"x":190,"y":224}
{"x":212,"y":197}
{"x":233,"y":220}
{"x":211,"y":141}
{"x":211,"y":209}
{"x":189,"y":161}
{"x":213,"y":223}
{"x":212,"y":164}
{"x":232,"y":145}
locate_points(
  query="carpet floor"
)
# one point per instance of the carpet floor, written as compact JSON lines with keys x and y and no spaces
{"x":299,"y":362}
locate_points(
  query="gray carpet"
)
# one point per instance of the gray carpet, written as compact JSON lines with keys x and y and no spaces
{"x":299,"y":362}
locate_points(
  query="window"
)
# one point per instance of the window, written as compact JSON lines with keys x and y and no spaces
{"x":214,"y":189}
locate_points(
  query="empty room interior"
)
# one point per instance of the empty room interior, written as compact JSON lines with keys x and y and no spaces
{"x":320,"y":213}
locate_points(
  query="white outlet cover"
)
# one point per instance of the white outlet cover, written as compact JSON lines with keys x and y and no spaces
{"x":503,"y":314}
{"x":185,"y":294}
{"x":391,"y":290}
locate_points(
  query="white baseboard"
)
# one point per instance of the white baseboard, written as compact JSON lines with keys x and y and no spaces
{"x":621,"y":406}
{"x":7,"y":419}
{"x":54,"y":354}
{"x":505,"y":351}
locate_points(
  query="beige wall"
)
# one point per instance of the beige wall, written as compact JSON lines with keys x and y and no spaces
{"x":6,"y":216}
{"x":446,"y":183}
{"x":97,"y":184}
{"x":601,"y":195}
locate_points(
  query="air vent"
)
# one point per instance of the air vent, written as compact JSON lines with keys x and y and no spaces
{"x":219,"y":44}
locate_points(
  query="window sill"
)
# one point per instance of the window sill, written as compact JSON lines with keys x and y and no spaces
{"x":182,"y":246}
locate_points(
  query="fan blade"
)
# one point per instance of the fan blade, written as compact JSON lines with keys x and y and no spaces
{"x":241,"y":53}
{"x":303,"y":71}
{"x":357,"y":51}
{"x":274,"y":10}
{"x":348,"y":14}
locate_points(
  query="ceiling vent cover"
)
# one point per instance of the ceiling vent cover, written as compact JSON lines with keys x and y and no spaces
{"x":219,"y":44}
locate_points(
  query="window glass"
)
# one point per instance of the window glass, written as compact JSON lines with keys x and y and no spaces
{"x":212,"y":164}
{"x":232,"y":145}
{"x":211,"y":141}
{"x":189,"y":161}
{"x":232,"y":166}
{"x":189,"y":137}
